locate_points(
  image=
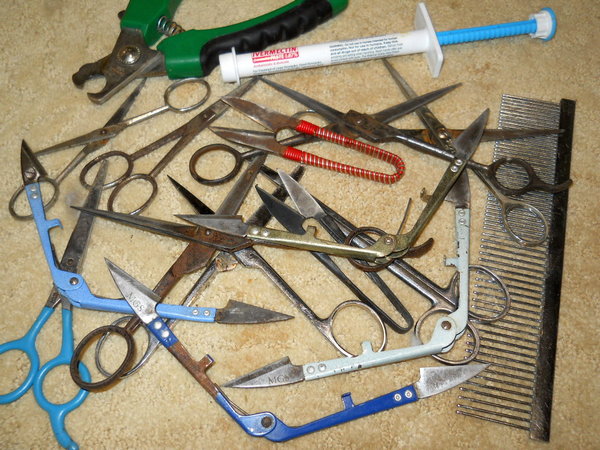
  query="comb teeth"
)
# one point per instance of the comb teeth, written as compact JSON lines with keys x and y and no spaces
{"x":516,"y":390}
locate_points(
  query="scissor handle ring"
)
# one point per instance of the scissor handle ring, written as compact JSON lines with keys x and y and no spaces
{"x":102,"y":157}
{"x":510,"y":205}
{"x":362,"y":265}
{"x":349,"y":304}
{"x":126,"y":181}
{"x":472,"y":331}
{"x":485,"y":319}
{"x":114,"y":377}
{"x":178,"y":83}
{"x":47,"y":205}
{"x":212,"y":148}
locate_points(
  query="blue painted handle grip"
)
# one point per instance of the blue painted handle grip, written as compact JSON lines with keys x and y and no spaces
{"x":493,"y":31}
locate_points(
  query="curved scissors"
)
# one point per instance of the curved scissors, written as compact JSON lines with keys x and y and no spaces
{"x":184,"y":135}
{"x":375,"y":128}
{"x":71,"y":262}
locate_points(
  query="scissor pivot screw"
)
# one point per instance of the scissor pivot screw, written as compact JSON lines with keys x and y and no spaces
{"x":397,"y":397}
{"x":446,"y":325}
{"x":388,"y":240}
{"x":408,"y":394}
{"x":129,"y":55}
{"x":29,"y":173}
{"x":74,"y":281}
{"x":266,"y":422}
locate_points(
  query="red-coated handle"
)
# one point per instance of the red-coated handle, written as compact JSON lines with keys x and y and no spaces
{"x":327,"y":135}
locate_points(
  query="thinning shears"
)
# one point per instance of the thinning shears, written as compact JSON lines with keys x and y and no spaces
{"x":71,"y":262}
{"x":192,"y":53}
{"x":266,"y":424}
{"x":375,"y":129}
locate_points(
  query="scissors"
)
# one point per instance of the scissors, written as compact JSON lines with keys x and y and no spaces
{"x":184,"y":135}
{"x":433,"y":380}
{"x":376,"y":130}
{"x":248,"y":257}
{"x":71,"y":262}
{"x":88,"y":149}
{"x":192,"y":53}
{"x":277,"y":122}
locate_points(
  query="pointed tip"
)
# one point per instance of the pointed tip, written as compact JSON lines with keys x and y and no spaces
{"x":236,"y":312}
{"x":278,"y":373}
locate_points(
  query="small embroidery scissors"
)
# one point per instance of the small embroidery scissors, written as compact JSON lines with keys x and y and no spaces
{"x":184,"y":135}
{"x":71,"y":261}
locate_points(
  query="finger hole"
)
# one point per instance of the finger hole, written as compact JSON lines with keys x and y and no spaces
{"x":525,"y":224}
{"x":81,"y":349}
{"x":19,"y":207}
{"x":214,"y":164}
{"x":513,"y":175}
{"x":179,"y":94}
{"x":16,"y":366}
{"x":351,"y":320}
{"x":489,"y":299}
{"x":122,"y":166}
{"x":360,"y":264}
{"x":139,"y":185}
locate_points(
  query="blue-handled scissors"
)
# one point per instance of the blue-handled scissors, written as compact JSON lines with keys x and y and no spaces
{"x":71,"y":261}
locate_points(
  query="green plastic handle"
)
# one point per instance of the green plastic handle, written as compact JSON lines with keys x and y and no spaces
{"x":195,"y":53}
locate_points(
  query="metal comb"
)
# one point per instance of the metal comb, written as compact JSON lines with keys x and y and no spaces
{"x":517,"y":390}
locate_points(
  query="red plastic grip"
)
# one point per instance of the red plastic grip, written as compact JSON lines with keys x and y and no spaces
{"x":327,"y":135}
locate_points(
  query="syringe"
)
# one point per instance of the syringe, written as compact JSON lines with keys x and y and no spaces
{"x":424,"y":39}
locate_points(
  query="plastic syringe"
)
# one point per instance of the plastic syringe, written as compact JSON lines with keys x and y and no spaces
{"x":424,"y":39}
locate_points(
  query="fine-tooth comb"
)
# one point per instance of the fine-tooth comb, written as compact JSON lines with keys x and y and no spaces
{"x":516,"y":390}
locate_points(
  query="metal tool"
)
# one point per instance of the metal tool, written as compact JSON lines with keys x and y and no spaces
{"x":265,"y":424}
{"x":87,"y":150}
{"x":72,"y":262}
{"x":184,"y":135}
{"x":518,"y":392}
{"x":195,"y":259}
{"x":231,"y":233}
{"x":193,"y":53}
{"x":374,"y":130}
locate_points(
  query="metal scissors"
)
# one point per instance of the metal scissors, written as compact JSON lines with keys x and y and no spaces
{"x":91,"y":147}
{"x":433,"y":380}
{"x":184,"y":135}
{"x":375,"y":129}
{"x":71,"y":261}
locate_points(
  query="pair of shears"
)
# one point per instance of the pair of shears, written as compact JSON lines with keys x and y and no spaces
{"x":266,"y":424}
{"x":376,"y":129}
{"x":192,"y":53}
{"x":277,"y":122}
{"x":71,"y":262}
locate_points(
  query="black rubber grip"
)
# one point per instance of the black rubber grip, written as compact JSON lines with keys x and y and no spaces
{"x":288,"y":25}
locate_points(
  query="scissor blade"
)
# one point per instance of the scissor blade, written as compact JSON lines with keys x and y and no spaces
{"x":279,"y":373}
{"x":460,"y":194}
{"x":267,"y":117}
{"x":284,"y":214}
{"x":233,"y":225}
{"x":468,"y":140}
{"x":31,"y":169}
{"x":141,"y":298}
{"x":256,"y":139}
{"x":435,"y":380}
{"x":194,"y":201}
{"x":305,"y":203}
{"x":242,"y":313}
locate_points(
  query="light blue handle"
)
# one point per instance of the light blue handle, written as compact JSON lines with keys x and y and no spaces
{"x":494,"y":31}
{"x":26,"y":344}
{"x":58,"y":412}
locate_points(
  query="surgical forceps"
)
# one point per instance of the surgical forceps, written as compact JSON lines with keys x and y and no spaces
{"x":375,"y":129}
{"x":71,"y":261}
{"x":184,"y":135}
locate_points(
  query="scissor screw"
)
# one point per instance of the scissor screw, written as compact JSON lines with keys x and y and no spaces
{"x":74,"y":281}
{"x":195,"y":312}
{"x":388,"y":240}
{"x":29,"y":173}
{"x":446,"y":325}
{"x":408,"y":394}
{"x":129,"y":55}
{"x":266,"y":422}
{"x":206,"y":312}
{"x":397,"y":397}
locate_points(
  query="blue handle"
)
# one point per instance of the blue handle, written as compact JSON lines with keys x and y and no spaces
{"x":269,"y":426}
{"x":26,"y":344}
{"x":58,"y":412}
{"x":494,"y":31}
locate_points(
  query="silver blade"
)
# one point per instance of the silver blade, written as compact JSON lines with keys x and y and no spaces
{"x":435,"y":380}
{"x":141,"y":298}
{"x":304,"y":202}
{"x":279,"y":373}
{"x":227,"y":224}
{"x":239,"y":312}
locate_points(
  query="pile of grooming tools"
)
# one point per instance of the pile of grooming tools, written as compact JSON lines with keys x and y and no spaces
{"x":481,"y":300}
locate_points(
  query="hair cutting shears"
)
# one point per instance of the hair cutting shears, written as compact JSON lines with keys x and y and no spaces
{"x":375,"y":129}
{"x":266,"y":424}
{"x":192,"y":53}
{"x":71,"y":262}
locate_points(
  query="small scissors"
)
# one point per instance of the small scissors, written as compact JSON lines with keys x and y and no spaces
{"x":185,"y":134}
{"x":375,"y":129}
{"x":88,"y":149}
{"x":71,"y":262}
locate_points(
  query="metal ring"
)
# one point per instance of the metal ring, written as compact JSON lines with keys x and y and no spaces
{"x":47,"y":206}
{"x":211,"y":148}
{"x":531,"y":176}
{"x":362,"y":265}
{"x":482,"y":319}
{"x":102,"y":157}
{"x":112,"y":379}
{"x":101,"y":342}
{"x":178,"y":83}
{"x":507,"y":208}
{"x":348,"y":304}
{"x":129,"y":179}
